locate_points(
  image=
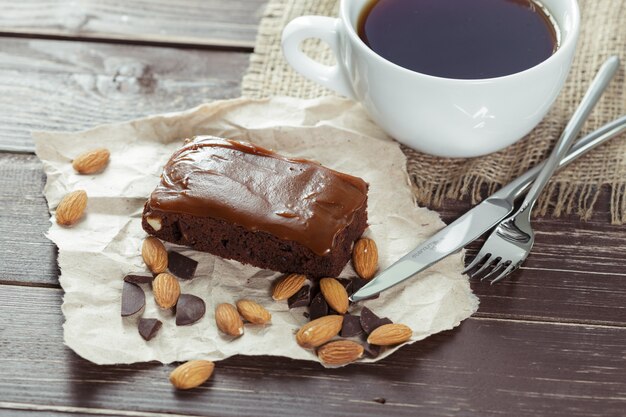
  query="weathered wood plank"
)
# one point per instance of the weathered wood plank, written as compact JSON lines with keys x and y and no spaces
{"x":191,"y":22}
{"x":485,"y":367}
{"x":56,"y":85}
{"x":561,"y":280}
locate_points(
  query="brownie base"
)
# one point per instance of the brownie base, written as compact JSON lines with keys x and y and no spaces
{"x":259,"y":248}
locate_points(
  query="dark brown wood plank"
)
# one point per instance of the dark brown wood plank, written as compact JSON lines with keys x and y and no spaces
{"x":562,"y":280}
{"x":56,"y":85}
{"x":576,"y":271}
{"x":485,"y":367}
{"x":192,"y":22}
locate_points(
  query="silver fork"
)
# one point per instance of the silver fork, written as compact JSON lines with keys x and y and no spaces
{"x":511,"y":241}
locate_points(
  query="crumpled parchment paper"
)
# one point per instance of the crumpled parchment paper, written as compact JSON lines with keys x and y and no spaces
{"x":105,"y":245}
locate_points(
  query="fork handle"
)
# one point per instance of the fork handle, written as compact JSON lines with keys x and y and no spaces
{"x":595,"y":90}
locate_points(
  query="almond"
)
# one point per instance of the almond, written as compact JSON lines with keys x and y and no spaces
{"x":288,"y":286}
{"x":192,"y":374}
{"x":335,"y":294}
{"x":71,"y":208}
{"x":339,"y":352}
{"x":365,"y":258}
{"x":154,"y":254}
{"x":253,"y":312}
{"x":319,"y":331}
{"x":92,"y":161}
{"x":228,"y":320}
{"x":166,"y":290}
{"x":390,"y":334}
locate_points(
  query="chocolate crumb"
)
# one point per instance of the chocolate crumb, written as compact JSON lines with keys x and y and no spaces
{"x":372,"y":351}
{"x":189,"y":309}
{"x":148,"y":328}
{"x":133,"y":299}
{"x":380,"y":400}
{"x":180,"y":265}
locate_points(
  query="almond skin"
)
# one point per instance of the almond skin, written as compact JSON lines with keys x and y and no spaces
{"x":166,"y":290}
{"x":390,"y":334}
{"x":71,"y":208}
{"x":253,"y":312}
{"x":288,"y":286}
{"x":154,"y":254}
{"x":319,"y":331}
{"x":339,"y":352}
{"x":228,"y":320}
{"x":192,"y":374}
{"x":92,"y":161}
{"x":335,"y":294}
{"x":365,"y":258}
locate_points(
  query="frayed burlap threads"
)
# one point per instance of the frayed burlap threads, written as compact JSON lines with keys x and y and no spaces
{"x":574,"y":190}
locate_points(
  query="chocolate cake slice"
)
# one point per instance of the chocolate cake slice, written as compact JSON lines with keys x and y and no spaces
{"x":243,"y":202}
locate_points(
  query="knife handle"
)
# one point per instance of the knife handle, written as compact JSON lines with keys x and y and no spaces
{"x":518,"y":187}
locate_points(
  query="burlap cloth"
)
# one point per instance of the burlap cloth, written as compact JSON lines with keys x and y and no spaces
{"x":575,"y":189}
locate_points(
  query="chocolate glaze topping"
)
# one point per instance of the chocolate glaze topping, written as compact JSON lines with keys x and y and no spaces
{"x":244,"y":184}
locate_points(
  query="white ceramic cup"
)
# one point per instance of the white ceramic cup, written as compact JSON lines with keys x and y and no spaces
{"x":441,"y":116}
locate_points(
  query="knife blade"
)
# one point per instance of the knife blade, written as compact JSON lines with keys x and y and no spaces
{"x":477,"y":220}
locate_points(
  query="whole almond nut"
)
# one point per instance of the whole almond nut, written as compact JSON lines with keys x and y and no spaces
{"x":253,"y":312}
{"x":71,"y":208}
{"x":335,"y":294}
{"x":390,"y":334}
{"x":319,"y":331}
{"x":228,"y":320}
{"x":92,"y":161}
{"x":154,"y":254}
{"x":166,"y":290}
{"x":339,"y":352}
{"x":192,"y":374}
{"x":288,"y":286}
{"x":365,"y":258}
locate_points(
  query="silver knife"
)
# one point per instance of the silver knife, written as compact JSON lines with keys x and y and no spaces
{"x":478,"y":220}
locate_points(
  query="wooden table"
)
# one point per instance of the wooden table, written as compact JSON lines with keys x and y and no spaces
{"x":549,"y":342}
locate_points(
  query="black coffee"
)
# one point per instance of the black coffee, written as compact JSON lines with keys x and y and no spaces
{"x":466,"y":39}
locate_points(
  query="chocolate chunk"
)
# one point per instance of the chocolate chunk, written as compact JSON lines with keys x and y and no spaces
{"x":189,"y":309}
{"x":370,"y":321}
{"x":318,"y":307}
{"x":380,"y":400}
{"x":139,"y":279}
{"x":357,"y":284}
{"x":148,"y":328}
{"x":372,"y":351}
{"x":347,"y":284}
{"x":351,"y":326}
{"x":180,"y":265}
{"x":133,"y":299}
{"x":300,"y":299}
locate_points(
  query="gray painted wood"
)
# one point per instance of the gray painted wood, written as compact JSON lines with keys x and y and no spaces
{"x":58,"y":85}
{"x":190,"y":22}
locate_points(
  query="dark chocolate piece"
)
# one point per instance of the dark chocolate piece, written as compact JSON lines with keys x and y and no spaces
{"x":318,"y":308}
{"x":370,"y":321}
{"x":351,"y":326}
{"x":139,"y":279}
{"x":180,"y":265}
{"x":357,"y":284}
{"x":347,"y":284}
{"x":148,"y":328}
{"x":380,"y":400}
{"x":240,"y":201}
{"x":189,"y":309}
{"x":133,"y":299}
{"x":372,"y":351}
{"x":300,"y":299}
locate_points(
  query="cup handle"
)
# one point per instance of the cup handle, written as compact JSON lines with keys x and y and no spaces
{"x":328,"y":30}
